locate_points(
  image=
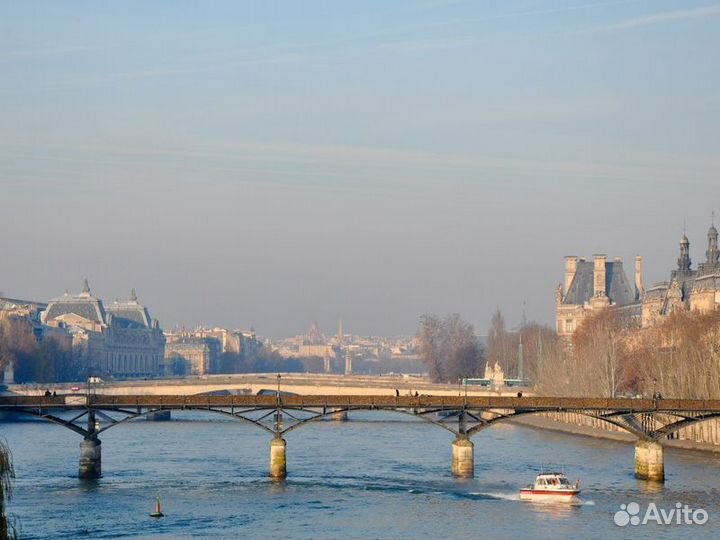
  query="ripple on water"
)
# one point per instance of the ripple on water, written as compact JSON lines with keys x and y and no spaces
{"x":354,"y":480}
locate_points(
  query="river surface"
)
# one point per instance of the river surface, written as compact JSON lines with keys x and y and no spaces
{"x":379,"y":475}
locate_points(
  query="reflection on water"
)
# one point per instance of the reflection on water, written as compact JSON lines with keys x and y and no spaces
{"x":555,"y":509}
{"x":356,"y":479}
{"x":648,"y":488}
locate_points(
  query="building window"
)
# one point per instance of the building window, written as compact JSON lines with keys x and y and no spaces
{"x":569,"y":325}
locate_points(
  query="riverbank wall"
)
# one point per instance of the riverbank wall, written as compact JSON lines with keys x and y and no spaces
{"x":702,"y":436}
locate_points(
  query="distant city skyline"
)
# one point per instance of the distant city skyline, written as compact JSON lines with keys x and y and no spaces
{"x":280,"y":163}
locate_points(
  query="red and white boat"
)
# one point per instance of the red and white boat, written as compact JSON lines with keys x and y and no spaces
{"x":551,"y":487}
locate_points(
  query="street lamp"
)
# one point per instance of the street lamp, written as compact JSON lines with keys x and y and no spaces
{"x":278,"y":417}
{"x":92,"y":383}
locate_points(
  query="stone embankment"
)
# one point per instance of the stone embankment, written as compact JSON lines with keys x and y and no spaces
{"x":704,"y":436}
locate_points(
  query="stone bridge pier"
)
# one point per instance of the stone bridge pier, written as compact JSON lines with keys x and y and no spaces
{"x":278,"y":463}
{"x":90,"y":451}
{"x":649,"y":461}
{"x":90,"y":458}
{"x":463,"y":461}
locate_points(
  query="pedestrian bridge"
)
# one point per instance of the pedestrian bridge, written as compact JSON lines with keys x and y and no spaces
{"x":650,"y":420}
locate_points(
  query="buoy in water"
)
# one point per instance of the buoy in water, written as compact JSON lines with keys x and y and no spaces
{"x":157,"y":513}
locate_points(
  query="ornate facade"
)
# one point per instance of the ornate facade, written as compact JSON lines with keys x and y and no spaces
{"x":688,"y":289}
{"x":120,"y":340}
{"x":593,"y":285}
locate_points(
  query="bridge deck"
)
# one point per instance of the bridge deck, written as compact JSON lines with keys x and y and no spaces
{"x":360,"y":402}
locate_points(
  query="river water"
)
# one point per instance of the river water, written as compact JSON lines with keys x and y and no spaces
{"x":379,"y":475}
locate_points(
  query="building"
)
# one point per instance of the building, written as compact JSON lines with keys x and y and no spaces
{"x":197,"y":352}
{"x":590,"y":286}
{"x":21,"y":308}
{"x":688,"y":289}
{"x":118,"y":341}
{"x":190,"y":356}
{"x":135,"y":344}
{"x":231,"y":341}
{"x":29,"y":312}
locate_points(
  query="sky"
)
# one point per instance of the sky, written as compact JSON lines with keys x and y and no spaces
{"x":274,"y":163}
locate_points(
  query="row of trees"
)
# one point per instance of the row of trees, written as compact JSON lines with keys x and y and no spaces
{"x":680,"y":357}
{"x":537,"y":345}
{"x":610,"y":356}
{"x":450,"y":349}
{"x":47,"y":361}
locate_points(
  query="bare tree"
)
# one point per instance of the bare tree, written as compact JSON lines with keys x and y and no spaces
{"x":449,"y":348}
{"x":680,"y":357}
{"x":544,"y":359}
{"x":430,"y":337}
{"x":502,"y":345}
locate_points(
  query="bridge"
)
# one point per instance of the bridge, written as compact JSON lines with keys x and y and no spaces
{"x":90,"y":415}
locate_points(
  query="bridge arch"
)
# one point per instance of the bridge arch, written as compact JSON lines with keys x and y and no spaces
{"x":515,"y":414}
{"x":686,"y":421}
{"x":331,"y":412}
{"x":482,"y":424}
{"x":129,"y":415}
{"x":54,"y":419}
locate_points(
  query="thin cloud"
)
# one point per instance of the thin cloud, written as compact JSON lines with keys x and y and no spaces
{"x":166,"y":72}
{"x":9,"y":56}
{"x":668,"y":16}
{"x":259,"y":155}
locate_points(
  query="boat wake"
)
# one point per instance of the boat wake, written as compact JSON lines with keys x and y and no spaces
{"x":496,"y":495}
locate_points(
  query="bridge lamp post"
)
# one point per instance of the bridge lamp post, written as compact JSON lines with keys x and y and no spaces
{"x":278,"y":466}
{"x":277,"y":407}
{"x":92,"y":383}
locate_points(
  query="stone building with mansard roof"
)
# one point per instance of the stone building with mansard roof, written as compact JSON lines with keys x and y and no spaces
{"x":118,"y":340}
{"x":594,"y":285}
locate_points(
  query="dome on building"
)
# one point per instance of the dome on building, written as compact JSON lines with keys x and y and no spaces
{"x":84,"y":305}
{"x":129,"y":314}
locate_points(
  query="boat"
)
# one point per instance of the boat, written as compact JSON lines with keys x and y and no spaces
{"x":552,"y":487}
{"x":157,"y":513}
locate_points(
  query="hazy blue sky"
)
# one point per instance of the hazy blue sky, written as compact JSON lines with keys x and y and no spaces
{"x":273,"y":163}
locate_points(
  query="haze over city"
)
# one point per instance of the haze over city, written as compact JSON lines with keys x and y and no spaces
{"x":275,"y":163}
